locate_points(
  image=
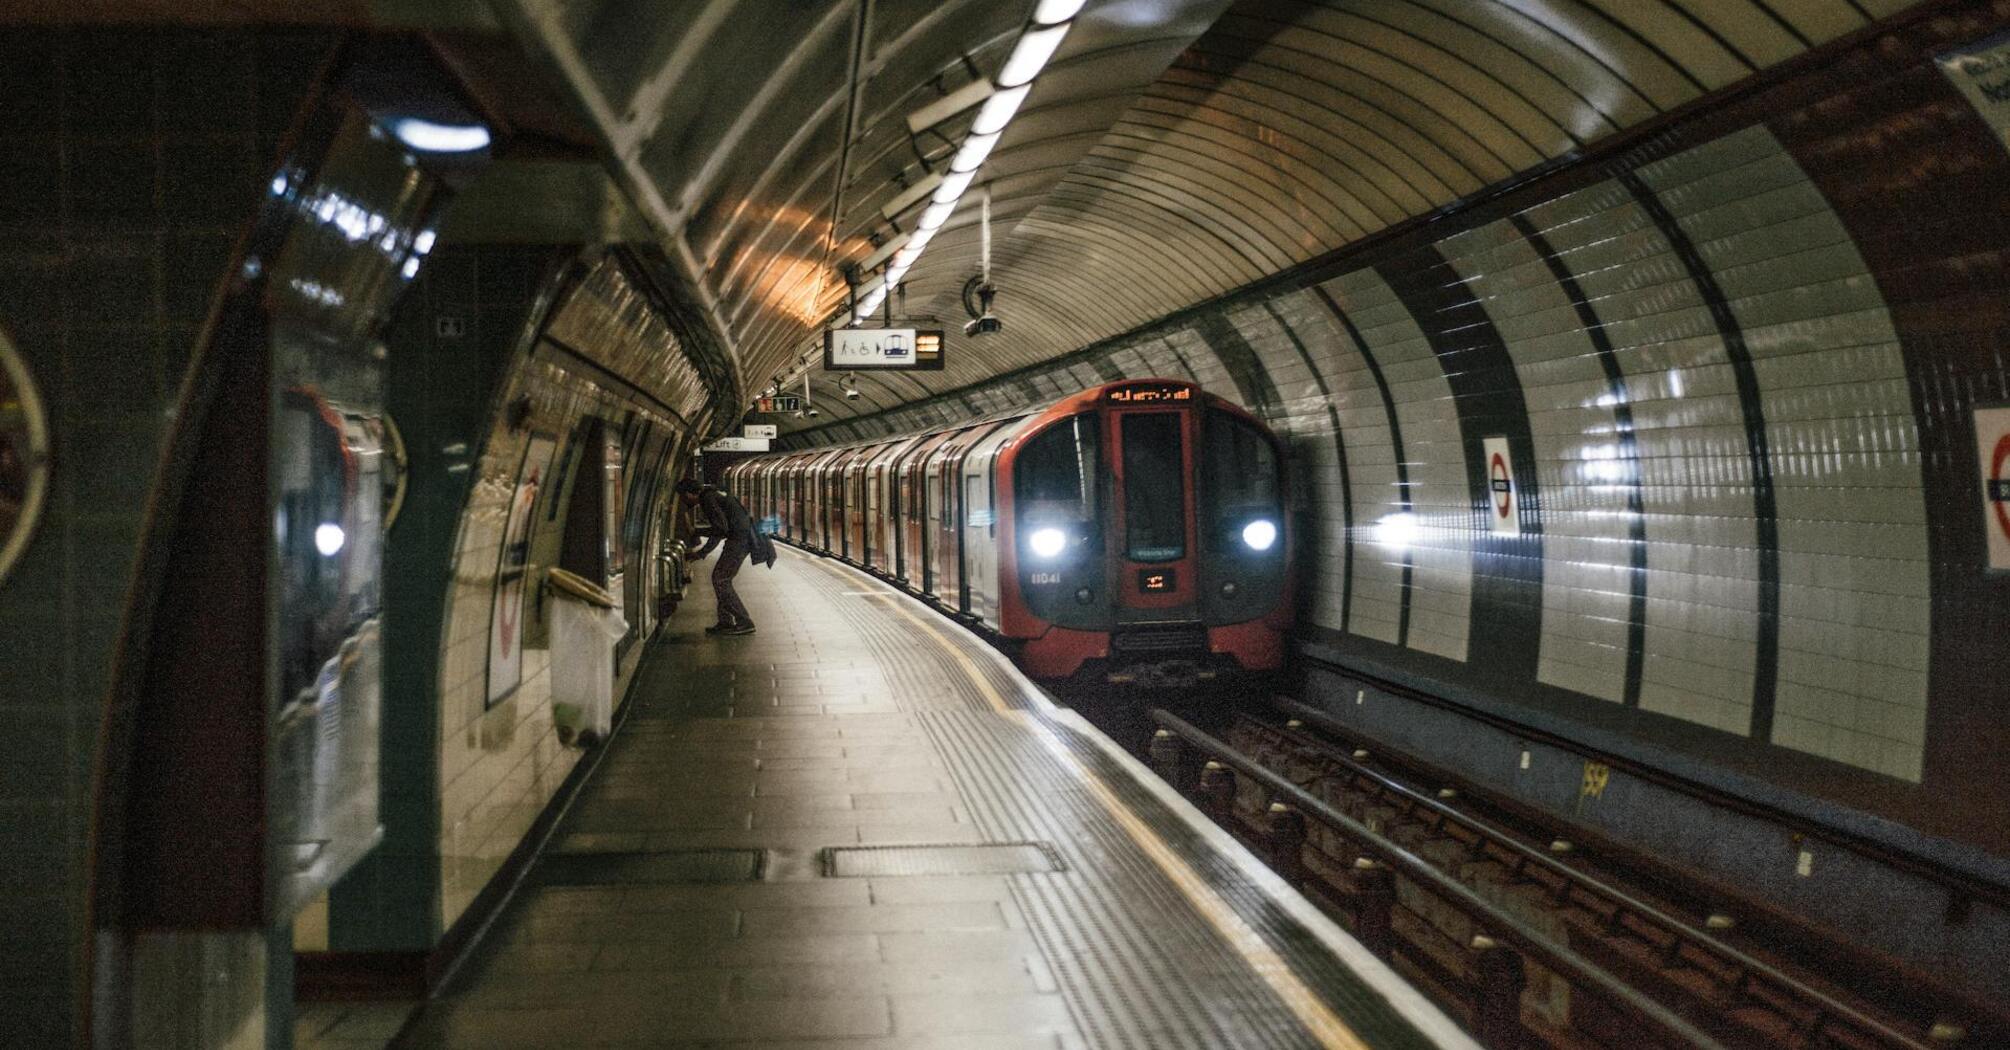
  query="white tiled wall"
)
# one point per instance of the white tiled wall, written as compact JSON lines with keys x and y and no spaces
{"x":500,"y":765}
{"x":1441,"y":580}
{"x":1852,"y":667}
{"x":1844,"y":452}
{"x":1696,"y":485}
{"x":1583,"y":475}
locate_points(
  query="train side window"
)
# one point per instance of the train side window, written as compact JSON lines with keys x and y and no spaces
{"x":1240,"y":470}
{"x":1055,"y":475}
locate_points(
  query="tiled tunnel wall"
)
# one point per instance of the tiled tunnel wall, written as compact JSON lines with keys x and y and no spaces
{"x":501,"y":761}
{"x":130,"y":160}
{"x":1737,"y":395}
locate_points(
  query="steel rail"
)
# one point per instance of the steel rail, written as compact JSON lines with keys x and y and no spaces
{"x":1557,"y":958}
{"x":1748,"y":966}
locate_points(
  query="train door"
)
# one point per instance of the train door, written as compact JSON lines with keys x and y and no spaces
{"x":1152,"y":539}
{"x":813,"y":500}
{"x":856,"y":495}
{"x":914,"y":503}
{"x":897,"y":499}
{"x":785,"y":495}
{"x":941,"y":524}
{"x":820,"y":476}
{"x":879,"y":507}
{"x":980,"y":523}
{"x":799,"y":500}
{"x":957,"y":592}
{"x":834,"y":518}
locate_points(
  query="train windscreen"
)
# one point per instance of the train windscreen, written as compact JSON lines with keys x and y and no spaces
{"x":1154,"y":486}
{"x":1055,"y":476}
{"x":1239,"y":475}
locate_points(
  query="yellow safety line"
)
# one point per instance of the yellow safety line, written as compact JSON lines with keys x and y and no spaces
{"x":1311,"y":1011}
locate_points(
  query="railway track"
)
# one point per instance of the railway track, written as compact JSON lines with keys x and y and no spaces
{"x":1534,"y":946}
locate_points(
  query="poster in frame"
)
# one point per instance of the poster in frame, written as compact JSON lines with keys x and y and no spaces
{"x":505,"y":664}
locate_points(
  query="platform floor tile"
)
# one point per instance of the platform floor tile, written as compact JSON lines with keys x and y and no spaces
{"x":851,"y":720}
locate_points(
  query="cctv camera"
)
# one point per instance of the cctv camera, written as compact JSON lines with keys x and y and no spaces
{"x":813,"y":413}
{"x":851,"y":394}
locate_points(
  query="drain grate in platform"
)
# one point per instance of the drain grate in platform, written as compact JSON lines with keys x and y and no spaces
{"x":1004,"y":858}
{"x":684,"y":865}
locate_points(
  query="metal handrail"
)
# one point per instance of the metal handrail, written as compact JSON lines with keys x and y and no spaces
{"x":1506,"y":927}
{"x":1730,"y":954}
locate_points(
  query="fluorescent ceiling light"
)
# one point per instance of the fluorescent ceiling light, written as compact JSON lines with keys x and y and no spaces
{"x":906,"y":256}
{"x":1030,"y":55}
{"x":975,"y":149}
{"x":953,"y":186}
{"x":936,"y":215}
{"x":998,"y":110}
{"x":1052,"y":11}
{"x":919,"y":239}
{"x":428,"y":137}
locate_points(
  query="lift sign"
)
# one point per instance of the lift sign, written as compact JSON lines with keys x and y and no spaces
{"x":1503,"y":496}
{"x":1992,"y":446}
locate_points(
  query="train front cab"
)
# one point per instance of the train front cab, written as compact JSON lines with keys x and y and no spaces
{"x":1147,"y":531}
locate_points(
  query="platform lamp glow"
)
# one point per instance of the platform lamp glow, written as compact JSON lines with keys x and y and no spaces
{"x":1036,"y":45}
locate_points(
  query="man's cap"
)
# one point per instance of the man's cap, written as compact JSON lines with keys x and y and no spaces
{"x":689,"y":485}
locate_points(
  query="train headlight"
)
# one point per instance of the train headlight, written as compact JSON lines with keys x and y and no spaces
{"x":1259,"y":535}
{"x":1047,"y":542}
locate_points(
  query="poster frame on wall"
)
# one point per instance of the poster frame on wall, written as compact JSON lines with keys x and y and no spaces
{"x":505,"y":633}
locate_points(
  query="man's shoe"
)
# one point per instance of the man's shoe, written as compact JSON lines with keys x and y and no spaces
{"x":739,"y":628}
{"x":721,"y":628}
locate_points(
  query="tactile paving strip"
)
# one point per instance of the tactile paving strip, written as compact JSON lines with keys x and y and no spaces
{"x":919,"y":677}
{"x":1004,"y":858}
{"x":666,"y":866}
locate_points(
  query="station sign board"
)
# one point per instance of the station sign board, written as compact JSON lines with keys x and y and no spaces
{"x":782,"y":403}
{"x":882,"y":349}
{"x":738,"y":444}
{"x":758,"y":430}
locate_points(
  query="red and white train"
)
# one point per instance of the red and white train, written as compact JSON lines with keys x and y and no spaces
{"x":1136,"y":529}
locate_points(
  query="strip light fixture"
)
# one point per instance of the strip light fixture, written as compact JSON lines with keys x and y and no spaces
{"x":1037,"y":43}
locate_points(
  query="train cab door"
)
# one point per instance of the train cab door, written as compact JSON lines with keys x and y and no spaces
{"x":980,"y":523}
{"x":1152,"y":538}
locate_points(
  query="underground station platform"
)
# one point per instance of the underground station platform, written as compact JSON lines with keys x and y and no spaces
{"x":862,"y":827}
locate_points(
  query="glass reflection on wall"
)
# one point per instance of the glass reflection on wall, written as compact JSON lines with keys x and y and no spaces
{"x":24,"y":456}
{"x":353,"y":245}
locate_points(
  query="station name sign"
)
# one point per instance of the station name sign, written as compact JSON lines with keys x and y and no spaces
{"x":1150,"y":394}
{"x":883,"y":349}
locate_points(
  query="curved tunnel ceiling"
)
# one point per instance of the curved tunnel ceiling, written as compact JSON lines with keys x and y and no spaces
{"x":1173,"y":151}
